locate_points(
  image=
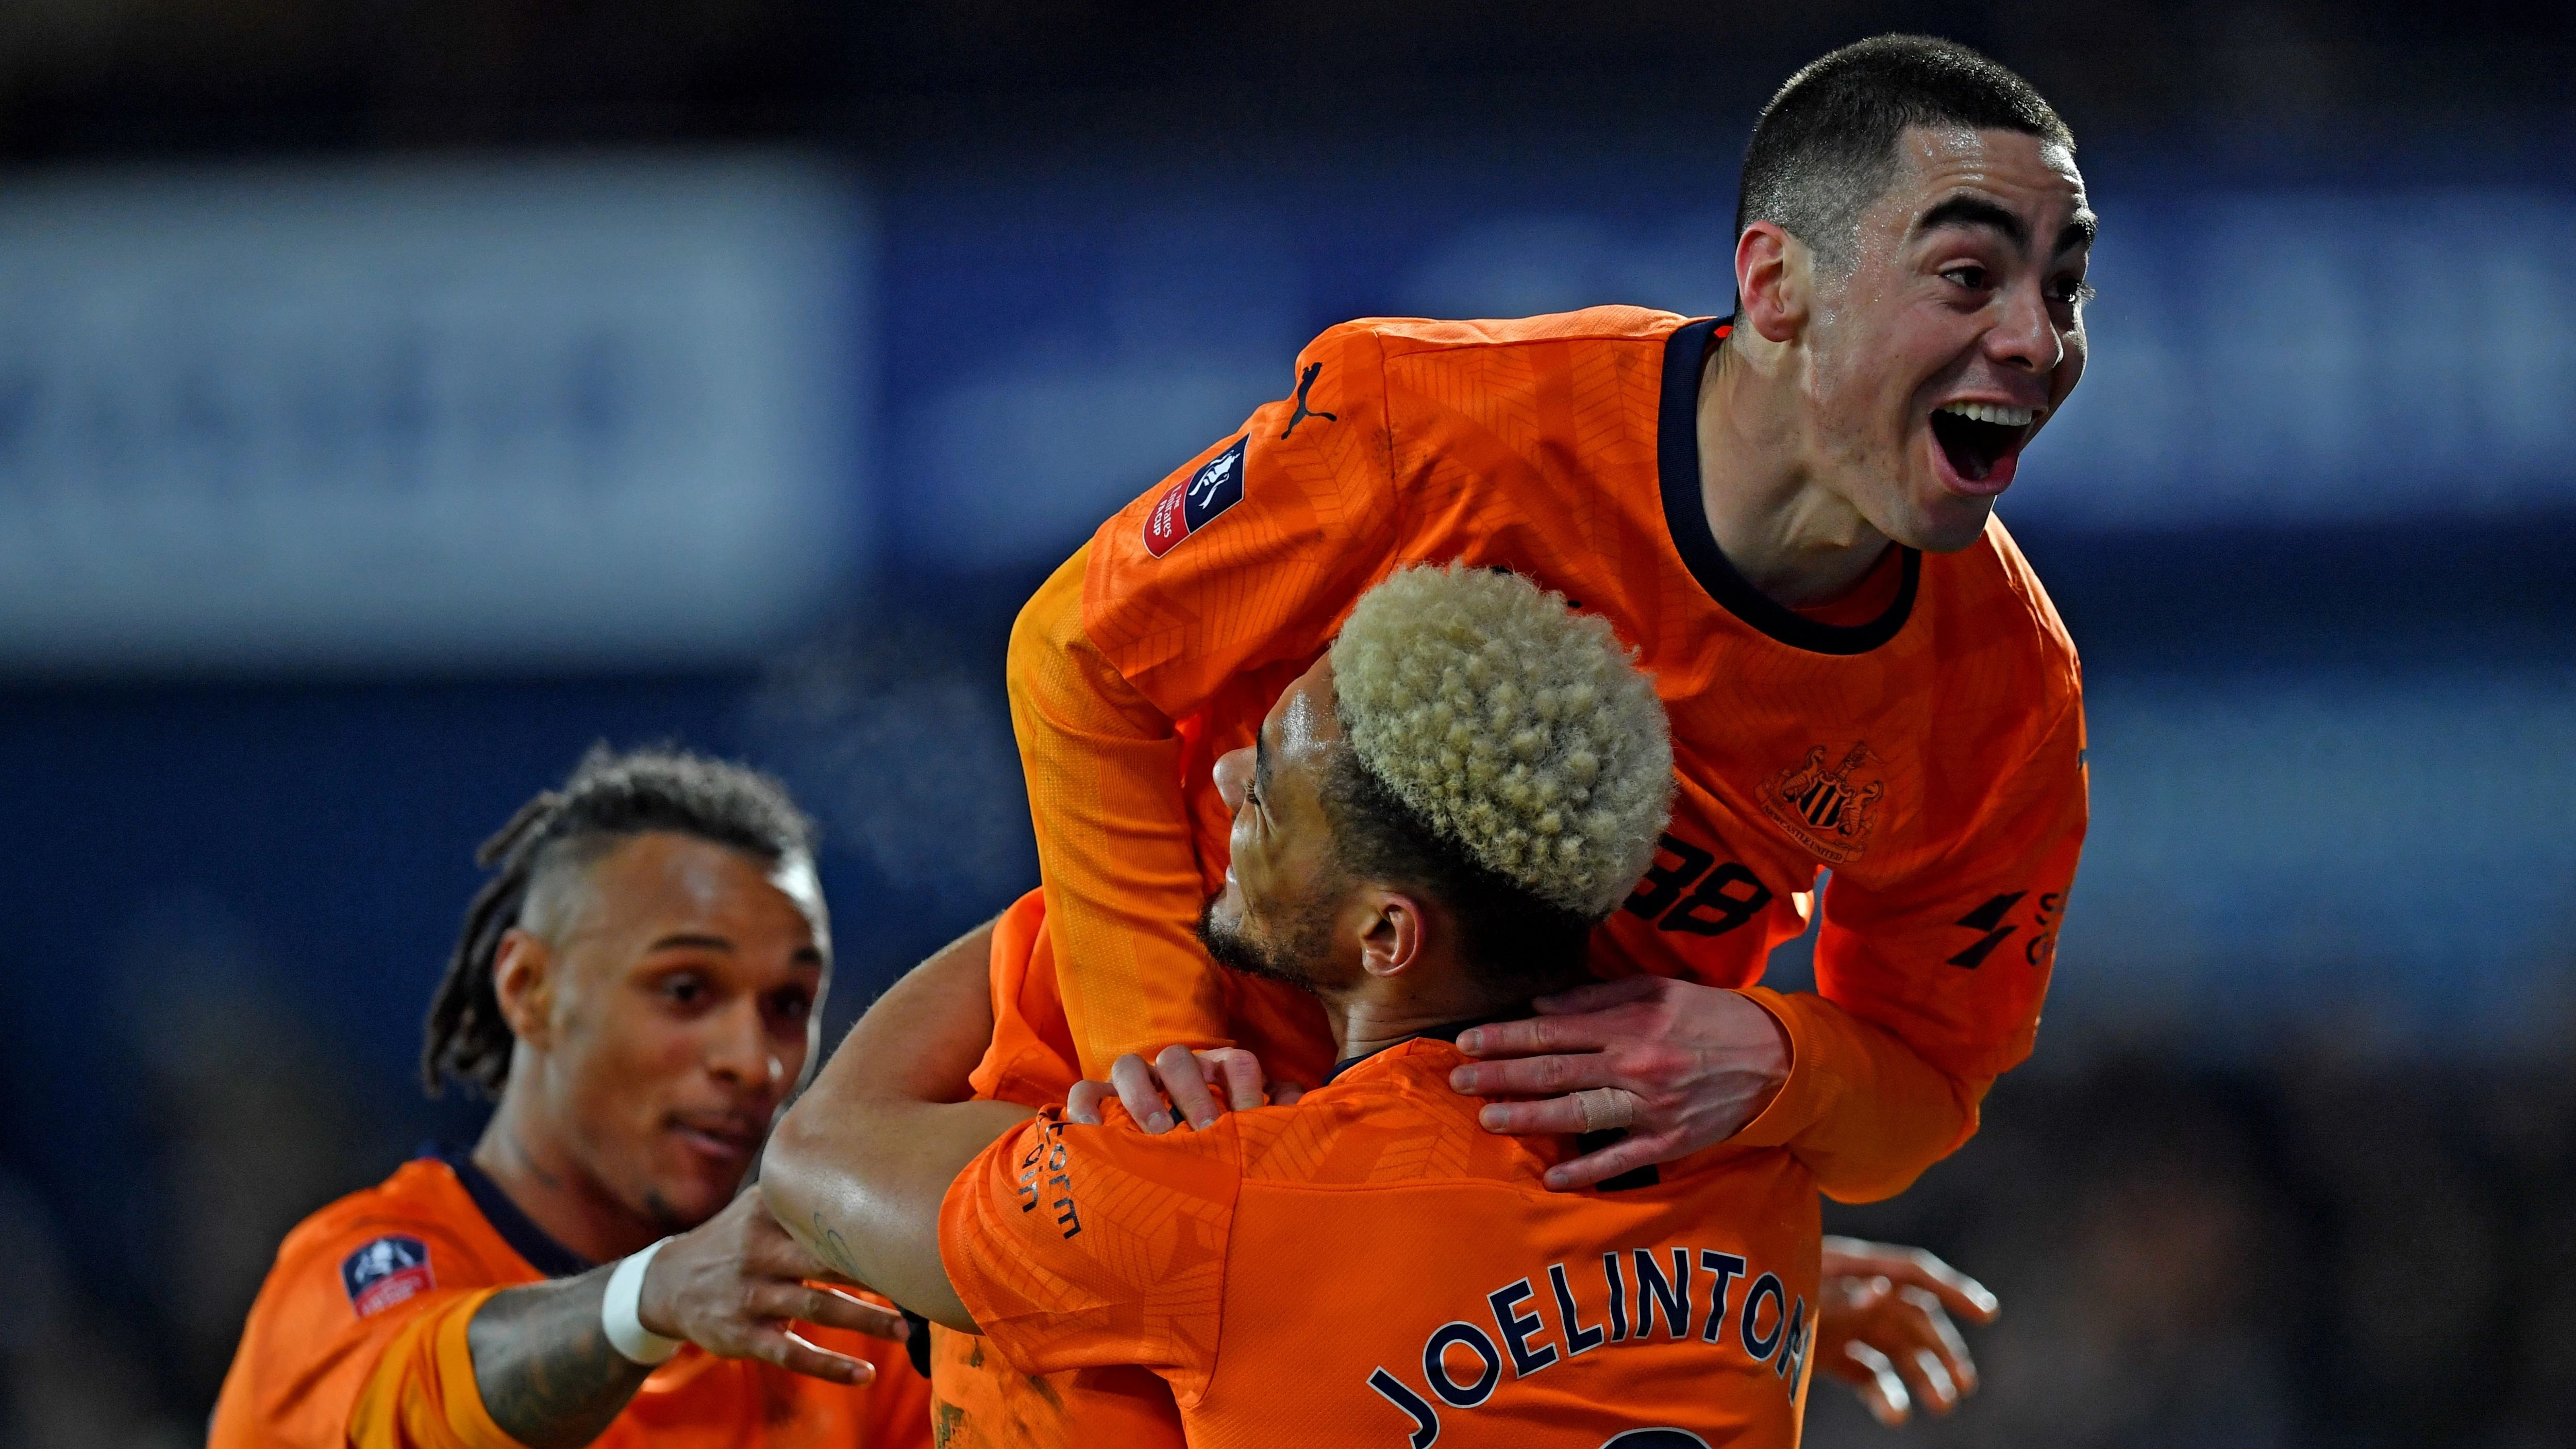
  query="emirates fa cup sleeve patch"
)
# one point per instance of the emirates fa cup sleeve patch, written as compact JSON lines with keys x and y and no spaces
{"x":385,"y":1272}
{"x":1195,"y":501}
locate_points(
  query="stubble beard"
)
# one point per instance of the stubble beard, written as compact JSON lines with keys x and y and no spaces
{"x":1285,"y":961}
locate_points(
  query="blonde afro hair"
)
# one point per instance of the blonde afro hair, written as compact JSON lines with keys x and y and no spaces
{"x":1518,"y":729}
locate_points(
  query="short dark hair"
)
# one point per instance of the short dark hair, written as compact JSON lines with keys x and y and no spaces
{"x":1825,"y":148}
{"x":610,"y":797}
{"x":1513,"y":941}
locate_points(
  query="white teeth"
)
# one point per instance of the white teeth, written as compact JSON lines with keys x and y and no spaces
{"x":1996,"y":413}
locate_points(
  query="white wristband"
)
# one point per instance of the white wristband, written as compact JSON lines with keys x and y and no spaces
{"x":626,"y":1332}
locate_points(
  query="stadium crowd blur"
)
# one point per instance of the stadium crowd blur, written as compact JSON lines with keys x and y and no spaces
{"x":394,"y":400}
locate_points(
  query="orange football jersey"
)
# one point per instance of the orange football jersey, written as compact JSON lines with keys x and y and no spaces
{"x":979,"y":1400}
{"x":1923,"y":740}
{"x":1371,"y":1267}
{"x":358,"y":1339}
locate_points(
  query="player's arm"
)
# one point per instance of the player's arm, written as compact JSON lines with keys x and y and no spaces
{"x":1928,"y":991}
{"x":1869,"y":1080}
{"x":549,"y":1376}
{"x":542,"y":1363}
{"x":1245,"y":557}
{"x":857,"y":1168}
{"x":486,"y":1368}
{"x":543,"y":1372}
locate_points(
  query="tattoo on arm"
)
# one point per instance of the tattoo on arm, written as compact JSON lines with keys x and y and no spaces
{"x":827,"y":1244}
{"x":547,"y":1372}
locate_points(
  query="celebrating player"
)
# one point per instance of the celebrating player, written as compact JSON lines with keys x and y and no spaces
{"x":1427,"y":826}
{"x":640,"y":985}
{"x":1788,"y":513}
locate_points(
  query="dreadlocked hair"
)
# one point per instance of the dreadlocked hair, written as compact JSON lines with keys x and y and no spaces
{"x":610,"y":797}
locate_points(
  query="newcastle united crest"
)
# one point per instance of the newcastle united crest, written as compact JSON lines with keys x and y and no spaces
{"x":1827,"y":810}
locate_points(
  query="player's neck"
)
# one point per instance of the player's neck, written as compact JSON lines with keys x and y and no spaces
{"x":1382,"y":1013}
{"x":1790,"y":536}
{"x":538,"y":1171}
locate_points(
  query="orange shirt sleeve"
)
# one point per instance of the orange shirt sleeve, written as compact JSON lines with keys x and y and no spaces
{"x":422,"y":1394}
{"x":1860,"y":1110}
{"x":1246,"y":558}
{"x":1091,"y":1247}
{"x":1926,"y":992}
{"x":308,"y":1357}
{"x":1030,"y":1059}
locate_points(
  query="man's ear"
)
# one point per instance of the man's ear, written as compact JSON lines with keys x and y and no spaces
{"x":1772,"y":276}
{"x":1393,"y":936}
{"x":523,"y":978}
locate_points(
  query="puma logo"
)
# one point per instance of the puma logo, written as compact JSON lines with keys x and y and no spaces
{"x":1313,"y":370}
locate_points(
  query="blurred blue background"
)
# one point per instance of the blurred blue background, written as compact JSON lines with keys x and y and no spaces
{"x":390,"y":408}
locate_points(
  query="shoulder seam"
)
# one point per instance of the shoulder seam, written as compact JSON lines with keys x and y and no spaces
{"x":1397,"y":495}
{"x":2019,"y":576}
{"x":1488,"y":342}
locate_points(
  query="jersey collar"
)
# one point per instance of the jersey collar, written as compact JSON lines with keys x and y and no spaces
{"x":1584,"y":1142}
{"x":515,"y":1227}
{"x":1686,"y":519}
{"x":1446,"y":1031}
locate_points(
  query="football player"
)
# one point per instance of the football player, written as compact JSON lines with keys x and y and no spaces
{"x":1789,"y":513}
{"x":1428,"y":825}
{"x":639,"y":985}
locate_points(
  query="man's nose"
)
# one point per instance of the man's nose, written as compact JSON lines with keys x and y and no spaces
{"x":2026,"y":338}
{"x":738,"y":1047}
{"x":1233,"y":769}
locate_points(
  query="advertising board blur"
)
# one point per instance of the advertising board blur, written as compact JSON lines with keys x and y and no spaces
{"x":535,"y":414}
{"x":2300,"y":360}
{"x":2260,"y":355}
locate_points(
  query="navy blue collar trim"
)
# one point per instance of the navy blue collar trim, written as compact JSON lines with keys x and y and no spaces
{"x":515,"y":1227}
{"x":1686,"y":518}
{"x":1447,"y":1031}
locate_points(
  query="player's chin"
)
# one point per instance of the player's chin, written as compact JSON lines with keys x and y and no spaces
{"x":1946,"y":510}
{"x":1944,"y":524}
{"x":699,"y":1172}
{"x":1222,"y":915}
{"x":689,"y":1196}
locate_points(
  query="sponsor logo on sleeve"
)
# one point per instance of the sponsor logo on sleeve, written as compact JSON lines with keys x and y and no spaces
{"x":1044,"y":1178}
{"x":1195,"y":501}
{"x":385,"y":1272}
{"x":1305,"y":385}
{"x":1993,"y":921}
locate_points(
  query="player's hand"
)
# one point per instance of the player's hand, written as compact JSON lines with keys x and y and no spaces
{"x":1179,"y":1085}
{"x":736,"y":1286}
{"x":1682,"y":1066}
{"x":1883,"y":1327}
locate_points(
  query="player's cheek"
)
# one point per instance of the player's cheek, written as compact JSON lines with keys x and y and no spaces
{"x":660,"y":1059}
{"x":788,"y":1045}
{"x":611,"y":1065}
{"x":2070,"y":367}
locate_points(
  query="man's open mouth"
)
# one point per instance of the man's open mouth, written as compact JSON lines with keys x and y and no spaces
{"x":1977,"y":437}
{"x":727,"y":1136}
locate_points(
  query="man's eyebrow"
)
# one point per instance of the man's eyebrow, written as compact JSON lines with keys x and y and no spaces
{"x":2079,"y":232}
{"x":1260,"y":765}
{"x":1975,"y":211}
{"x":702,"y":941}
{"x":691,"y":941}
